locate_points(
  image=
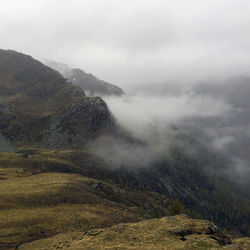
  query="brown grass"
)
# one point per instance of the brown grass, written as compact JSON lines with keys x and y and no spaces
{"x":35,"y":206}
{"x":149,"y":234}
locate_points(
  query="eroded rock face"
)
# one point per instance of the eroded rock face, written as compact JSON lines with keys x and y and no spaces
{"x":82,"y":119}
{"x":38,"y":106}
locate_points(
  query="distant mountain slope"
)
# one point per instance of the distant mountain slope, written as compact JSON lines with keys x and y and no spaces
{"x":230,"y":133}
{"x":38,"y":106}
{"x":88,"y":82}
{"x":5,"y":146}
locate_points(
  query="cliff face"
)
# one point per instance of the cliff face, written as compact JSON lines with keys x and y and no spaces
{"x":39,"y":106}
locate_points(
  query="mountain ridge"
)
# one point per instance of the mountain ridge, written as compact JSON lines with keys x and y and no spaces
{"x":86,"y":81}
{"x":38,"y":104}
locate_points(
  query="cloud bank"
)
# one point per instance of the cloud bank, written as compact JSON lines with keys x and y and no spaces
{"x":138,"y":113}
{"x":131,"y":42}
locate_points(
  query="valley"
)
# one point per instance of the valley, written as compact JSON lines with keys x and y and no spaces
{"x":68,"y":166}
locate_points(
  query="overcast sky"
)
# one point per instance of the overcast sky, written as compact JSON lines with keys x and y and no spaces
{"x":133,"y":41}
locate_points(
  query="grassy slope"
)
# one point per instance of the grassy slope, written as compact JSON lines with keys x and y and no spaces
{"x":46,"y":196}
{"x":35,"y":205}
{"x":178,"y":232}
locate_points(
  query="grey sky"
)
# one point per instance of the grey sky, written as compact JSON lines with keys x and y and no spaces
{"x":133,"y":41}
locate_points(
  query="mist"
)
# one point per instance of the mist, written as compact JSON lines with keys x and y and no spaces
{"x":179,"y":118}
{"x":153,"y":121}
{"x":138,"y":113}
{"x":134,"y":42}
{"x":158,"y":52}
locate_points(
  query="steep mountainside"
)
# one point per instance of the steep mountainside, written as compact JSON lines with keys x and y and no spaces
{"x":38,"y":106}
{"x":88,"y":82}
{"x":228,"y":134}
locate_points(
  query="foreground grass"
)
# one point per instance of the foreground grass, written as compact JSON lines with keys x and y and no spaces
{"x":178,"y":232}
{"x":35,"y":205}
{"x":24,"y":225}
{"x":46,"y":202}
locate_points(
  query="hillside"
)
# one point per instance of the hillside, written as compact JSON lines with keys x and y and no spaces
{"x":39,"y":107}
{"x":67,"y":165}
{"x":44,"y":209}
{"x":231,"y":132}
{"x":40,"y":198}
{"x":88,"y":82}
{"x":175,"y":232}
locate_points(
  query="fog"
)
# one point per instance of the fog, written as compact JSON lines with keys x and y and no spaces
{"x":155,"y":122}
{"x":138,"y":113}
{"x":134,"y":42}
{"x":161,"y":52}
{"x":215,"y":124}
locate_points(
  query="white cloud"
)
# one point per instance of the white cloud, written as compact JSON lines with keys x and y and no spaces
{"x":138,"y":113}
{"x":127,"y":42}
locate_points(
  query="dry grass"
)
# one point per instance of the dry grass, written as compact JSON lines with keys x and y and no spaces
{"x":149,"y":234}
{"x":56,"y":210}
{"x":42,"y":205}
{"x":24,"y":225}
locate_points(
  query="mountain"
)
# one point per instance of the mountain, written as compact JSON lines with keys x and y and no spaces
{"x":68,"y":166}
{"x":49,"y":194}
{"x":88,"y":82}
{"x":43,"y":193}
{"x":229,"y":133}
{"x":39,"y":107}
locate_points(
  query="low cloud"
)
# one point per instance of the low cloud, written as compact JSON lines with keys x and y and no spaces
{"x":131,"y":42}
{"x":154,"y":121}
{"x":140,"y":112}
{"x":164,"y":121}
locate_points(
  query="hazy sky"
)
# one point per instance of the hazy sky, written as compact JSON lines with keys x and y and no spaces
{"x":133,"y":41}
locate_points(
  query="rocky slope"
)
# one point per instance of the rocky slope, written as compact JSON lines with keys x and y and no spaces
{"x":38,"y":106}
{"x":88,"y":82}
